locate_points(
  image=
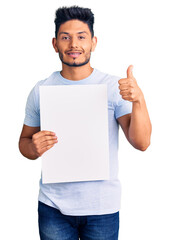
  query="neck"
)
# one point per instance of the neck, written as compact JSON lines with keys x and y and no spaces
{"x":76,"y":73}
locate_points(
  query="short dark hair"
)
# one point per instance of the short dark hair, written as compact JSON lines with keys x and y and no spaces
{"x":65,"y":14}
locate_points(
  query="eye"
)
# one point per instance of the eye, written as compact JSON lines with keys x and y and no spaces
{"x":81,"y":37}
{"x":65,"y":38}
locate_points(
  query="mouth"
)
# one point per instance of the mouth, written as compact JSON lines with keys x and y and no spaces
{"x":73,"y":54}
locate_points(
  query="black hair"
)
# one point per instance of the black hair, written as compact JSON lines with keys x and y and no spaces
{"x":64,"y":14}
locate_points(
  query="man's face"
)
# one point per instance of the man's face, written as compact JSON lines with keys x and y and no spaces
{"x":74,"y":43}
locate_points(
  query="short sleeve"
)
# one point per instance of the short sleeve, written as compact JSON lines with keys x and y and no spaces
{"x":121,"y":106}
{"x":32,"y":115}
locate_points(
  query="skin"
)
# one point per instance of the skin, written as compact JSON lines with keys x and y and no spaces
{"x":72,"y":42}
{"x":74,"y":36}
{"x":137,"y":125}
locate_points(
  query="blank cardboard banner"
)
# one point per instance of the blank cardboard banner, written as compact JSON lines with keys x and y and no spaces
{"x":78,"y":114}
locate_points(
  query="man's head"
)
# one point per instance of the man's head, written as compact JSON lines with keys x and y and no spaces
{"x":74,"y":36}
{"x":65,"y":14}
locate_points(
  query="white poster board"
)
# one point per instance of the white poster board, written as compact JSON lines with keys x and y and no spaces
{"x":78,"y":114}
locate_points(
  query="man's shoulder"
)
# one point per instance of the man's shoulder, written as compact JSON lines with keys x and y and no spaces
{"x":49,"y":80}
{"x":108,"y":78}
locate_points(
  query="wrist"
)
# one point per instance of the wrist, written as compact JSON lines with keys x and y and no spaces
{"x":140,"y":99}
{"x":33,"y":154}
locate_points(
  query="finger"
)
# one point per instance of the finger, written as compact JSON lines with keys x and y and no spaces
{"x":44,"y":149}
{"x":123,"y":81}
{"x":124,"y":93}
{"x":129,"y":72}
{"x":49,"y":143}
{"x":127,"y":98}
{"x":47,"y":138}
{"x":43,"y":133}
{"x":123,"y":86}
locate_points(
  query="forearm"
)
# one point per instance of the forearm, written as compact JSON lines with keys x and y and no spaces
{"x":26,"y":148}
{"x":140,"y":125}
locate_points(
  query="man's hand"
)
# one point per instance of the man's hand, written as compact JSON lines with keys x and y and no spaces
{"x":43,"y":141}
{"x":129,"y":90}
{"x":33,"y":142}
{"x":136,"y":126}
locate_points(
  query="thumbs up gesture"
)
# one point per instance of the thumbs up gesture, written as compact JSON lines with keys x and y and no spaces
{"x":129,"y":90}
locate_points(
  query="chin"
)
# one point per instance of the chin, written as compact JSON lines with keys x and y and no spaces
{"x":75,"y":64}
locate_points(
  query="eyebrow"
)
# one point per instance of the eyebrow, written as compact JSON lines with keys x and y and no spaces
{"x":82,"y":32}
{"x":77,"y":32}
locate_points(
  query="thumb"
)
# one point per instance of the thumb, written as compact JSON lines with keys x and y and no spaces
{"x":129,"y":72}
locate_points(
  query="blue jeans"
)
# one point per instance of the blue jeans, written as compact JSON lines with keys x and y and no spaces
{"x":53,"y":225}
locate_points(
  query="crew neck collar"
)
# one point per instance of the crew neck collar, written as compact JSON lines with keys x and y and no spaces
{"x":82,"y":81}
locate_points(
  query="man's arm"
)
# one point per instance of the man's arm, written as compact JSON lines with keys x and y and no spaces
{"x":33,"y":142}
{"x":137,"y":125}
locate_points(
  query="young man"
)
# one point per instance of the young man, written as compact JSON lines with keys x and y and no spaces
{"x":89,"y":209}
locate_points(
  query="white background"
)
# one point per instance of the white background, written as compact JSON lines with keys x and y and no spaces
{"x":129,"y":32}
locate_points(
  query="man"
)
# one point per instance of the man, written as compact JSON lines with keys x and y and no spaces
{"x":87,"y":210}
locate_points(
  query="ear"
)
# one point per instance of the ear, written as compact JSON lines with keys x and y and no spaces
{"x":94,"y":43}
{"x":54,"y":43}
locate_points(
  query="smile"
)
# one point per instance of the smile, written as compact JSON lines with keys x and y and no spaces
{"x":74,"y":54}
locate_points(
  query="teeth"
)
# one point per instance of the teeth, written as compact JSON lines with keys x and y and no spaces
{"x":74,"y":53}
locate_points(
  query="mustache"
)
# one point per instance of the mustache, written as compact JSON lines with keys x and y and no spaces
{"x":75,"y":50}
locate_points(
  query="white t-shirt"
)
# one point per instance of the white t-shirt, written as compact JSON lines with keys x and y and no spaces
{"x":85,"y":197}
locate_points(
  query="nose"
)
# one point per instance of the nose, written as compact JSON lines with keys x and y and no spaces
{"x":73,"y":42}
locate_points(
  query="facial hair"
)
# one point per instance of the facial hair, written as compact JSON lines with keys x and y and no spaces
{"x":74,"y":64}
